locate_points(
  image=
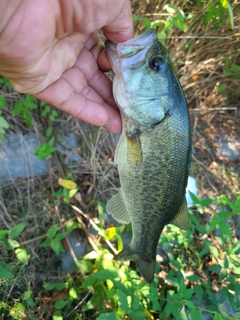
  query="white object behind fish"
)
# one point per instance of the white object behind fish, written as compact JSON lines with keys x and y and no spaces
{"x":191,"y":186}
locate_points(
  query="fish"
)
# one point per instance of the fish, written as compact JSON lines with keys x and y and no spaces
{"x":154,"y":150}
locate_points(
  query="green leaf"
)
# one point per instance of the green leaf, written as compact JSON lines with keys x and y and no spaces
{"x":217,"y":317}
{"x":60,"y":304}
{"x":2,"y":137}
{"x":11,"y":244}
{"x":237,"y":205}
{"x":193,"y":278}
{"x":27,"y":115}
{"x":52,"y":231}
{"x":222,"y":88}
{"x":108,"y":316}
{"x":91,"y":255}
{"x":224,"y":228}
{"x":57,"y":246}
{"x":180,"y":24}
{"x":168,"y":309}
{"x":48,"y":286}
{"x":73,"y":293}
{"x":206,"y":202}
{"x":51,"y":117}
{"x":50,"y":150}
{"x":28,"y":298}
{"x":70,"y":226}
{"x":48,"y":132}
{"x":54,"y":113}
{"x":110,"y":274}
{"x":85,"y":266}
{"x":188,"y":293}
{"x":204,"y":251}
{"x":224,"y":3}
{"x":194,"y":198}
{"x":181,"y":287}
{"x":215,"y":268}
{"x":136,"y":303}
{"x":170,"y":8}
{"x":72,"y":192}
{"x":195,"y":314}
{"x":224,"y":200}
{"x":17,"y":108}
{"x":214,"y":251}
{"x":46,"y":242}
{"x":21,"y":255}
{"x":225,"y":214}
{"x":222,"y":275}
{"x":189,"y":304}
{"x":60,"y":236}
{"x":236,"y":248}
{"x":135,"y":17}
{"x":226,"y":264}
{"x":231,"y":279}
{"x":182,"y":314}
{"x":199,"y":292}
{"x":8,"y":84}
{"x":122,"y":301}
{"x":51,"y":141}
{"x":146,"y":22}
{"x":29,"y":104}
{"x":3,"y":102}
{"x":213,"y":224}
{"x":60,"y":286}
{"x":17,"y":230}
{"x":57,"y":315}
{"x":5,"y":274}
{"x":230,"y":15}
{"x":3,"y":123}
{"x":43,"y":103}
{"x":3,"y":232}
{"x":236,"y":270}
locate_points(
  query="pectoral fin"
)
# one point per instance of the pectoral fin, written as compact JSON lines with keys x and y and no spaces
{"x":117,"y":208}
{"x":181,"y":220}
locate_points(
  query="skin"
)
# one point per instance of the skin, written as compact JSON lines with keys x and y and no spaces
{"x":49,"y":49}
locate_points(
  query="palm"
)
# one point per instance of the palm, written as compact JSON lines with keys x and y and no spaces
{"x":54,"y":55}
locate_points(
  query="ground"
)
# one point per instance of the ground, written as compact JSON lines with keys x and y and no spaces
{"x":207,"y":60}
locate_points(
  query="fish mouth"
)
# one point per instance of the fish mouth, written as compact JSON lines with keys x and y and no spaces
{"x":130,"y":53}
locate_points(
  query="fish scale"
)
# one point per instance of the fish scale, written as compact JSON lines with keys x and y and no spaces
{"x":153,"y":153}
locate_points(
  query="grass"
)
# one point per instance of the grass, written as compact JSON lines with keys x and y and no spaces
{"x":206,"y":57}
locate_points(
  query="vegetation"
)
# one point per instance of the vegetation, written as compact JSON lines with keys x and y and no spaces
{"x":198,"y":271}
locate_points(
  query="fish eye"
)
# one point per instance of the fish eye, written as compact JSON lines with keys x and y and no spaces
{"x":156,"y":63}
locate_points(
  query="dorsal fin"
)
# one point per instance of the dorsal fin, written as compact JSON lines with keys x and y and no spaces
{"x":181,"y":220}
{"x":117,"y":208}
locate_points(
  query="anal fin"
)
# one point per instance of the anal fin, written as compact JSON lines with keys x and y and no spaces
{"x":181,"y":220}
{"x":117,"y":208}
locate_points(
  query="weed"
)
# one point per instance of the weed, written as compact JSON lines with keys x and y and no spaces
{"x":202,"y":270}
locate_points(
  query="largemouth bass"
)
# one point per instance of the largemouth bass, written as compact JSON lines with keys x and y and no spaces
{"x":153,"y":153}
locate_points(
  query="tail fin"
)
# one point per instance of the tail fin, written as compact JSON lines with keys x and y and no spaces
{"x":146,"y":267}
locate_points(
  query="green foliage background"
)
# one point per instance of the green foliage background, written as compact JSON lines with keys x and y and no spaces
{"x":201,"y":271}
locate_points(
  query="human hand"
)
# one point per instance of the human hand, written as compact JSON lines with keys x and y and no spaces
{"x":49,"y":49}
